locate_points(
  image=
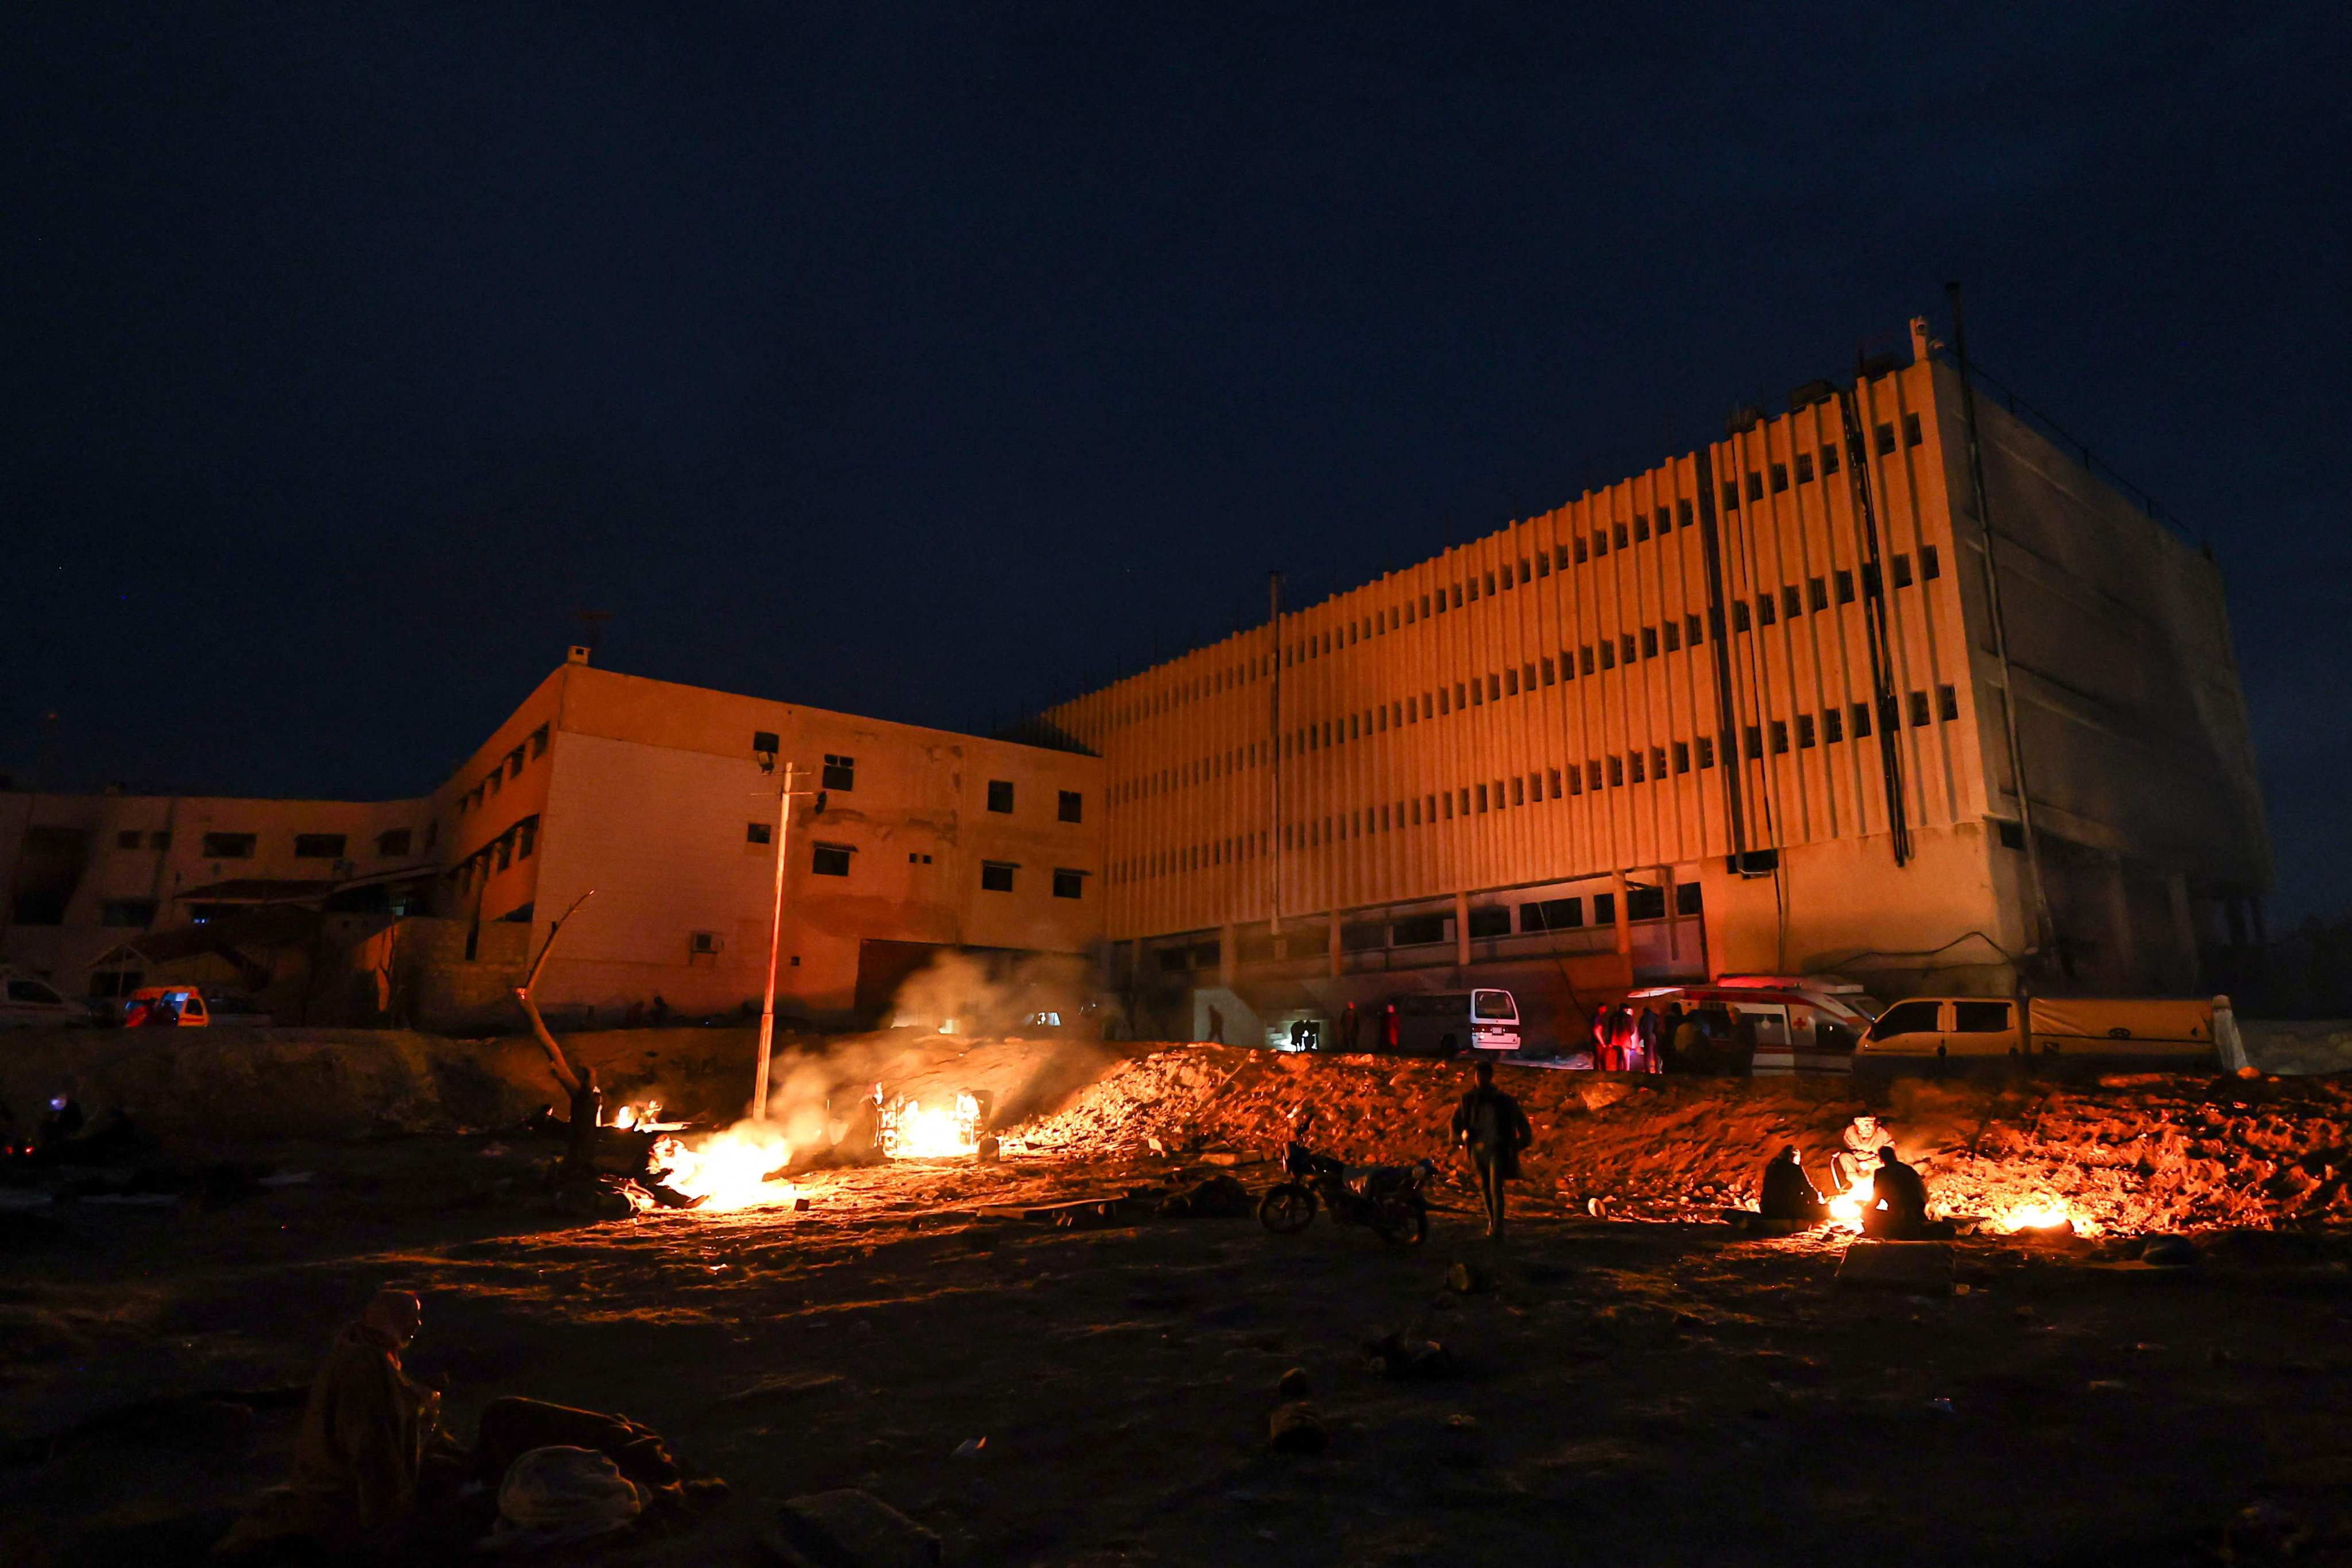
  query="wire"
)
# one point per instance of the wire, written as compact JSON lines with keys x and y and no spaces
{"x":2007,"y":957}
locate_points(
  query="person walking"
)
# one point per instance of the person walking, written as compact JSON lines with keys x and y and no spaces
{"x":1490,"y":1124}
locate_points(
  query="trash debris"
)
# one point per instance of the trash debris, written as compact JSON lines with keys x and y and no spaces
{"x":969,"y":1448}
{"x":2169,"y":1251}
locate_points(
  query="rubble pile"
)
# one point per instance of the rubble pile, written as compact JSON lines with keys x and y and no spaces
{"x":2136,"y":1154}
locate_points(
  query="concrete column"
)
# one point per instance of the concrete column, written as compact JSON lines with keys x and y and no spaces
{"x":1335,"y":944}
{"x":1462,"y":930}
{"x":1625,"y":922}
{"x":2125,"y":963}
{"x":1226,"y":957}
{"x":2184,"y":928}
{"x":1674,"y":921}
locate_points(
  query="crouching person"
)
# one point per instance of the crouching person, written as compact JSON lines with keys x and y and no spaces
{"x":362,"y":1446}
{"x":1898,"y":1201}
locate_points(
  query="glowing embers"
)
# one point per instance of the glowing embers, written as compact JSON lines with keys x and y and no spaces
{"x":646,"y":1118}
{"x":1846,"y":1209}
{"x":740,"y":1168}
{"x":2045,"y":1217}
{"x":942,"y":1128}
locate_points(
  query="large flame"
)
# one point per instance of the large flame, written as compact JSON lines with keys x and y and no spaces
{"x":910,"y":1130}
{"x":1846,"y":1209}
{"x":2045,"y":1214}
{"x":729,"y":1170}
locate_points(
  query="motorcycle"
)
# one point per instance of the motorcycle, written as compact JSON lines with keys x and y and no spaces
{"x":1386,"y":1199}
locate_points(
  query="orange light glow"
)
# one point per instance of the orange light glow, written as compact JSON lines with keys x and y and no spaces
{"x":912,"y":1130}
{"x":729,"y":1170}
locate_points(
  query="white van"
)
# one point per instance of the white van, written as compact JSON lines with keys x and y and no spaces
{"x":27,"y":1003}
{"x":1441,"y":1023}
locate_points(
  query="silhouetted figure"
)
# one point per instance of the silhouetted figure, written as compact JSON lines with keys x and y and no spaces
{"x":1898,"y":1201}
{"x":1789,"y":1193}
{"x":1493,"y":1127}
{"x":1216,"y":1026}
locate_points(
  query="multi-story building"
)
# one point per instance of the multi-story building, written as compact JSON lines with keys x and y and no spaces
{"x":1748,"y":711}
{"x":1762,"y":707}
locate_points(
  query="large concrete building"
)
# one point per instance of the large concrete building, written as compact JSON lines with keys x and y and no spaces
{"x":1762,"y":707}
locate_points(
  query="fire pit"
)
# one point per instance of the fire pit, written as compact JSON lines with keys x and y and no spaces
{"x":945,"y":1127}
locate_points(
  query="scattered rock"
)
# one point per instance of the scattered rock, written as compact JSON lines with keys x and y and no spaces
{"x":1295,"y":1428}
{"x":784,"y":1386}
{"x":849,"y":1529}
{"x":1294,"y":1383}
{"x":1469,"y":1280}
{"x":2169,"y":1251}
{"x":1411,"y":1357}
{"x":1220,"y":1157}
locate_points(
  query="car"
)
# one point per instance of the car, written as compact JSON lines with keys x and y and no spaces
{"x":232,"y":1009}
{"x":27,"y":1002}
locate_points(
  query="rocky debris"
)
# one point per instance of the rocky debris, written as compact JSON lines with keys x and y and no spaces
{"x":2131,"y":1154}
{"x":1917,"y":1268}
{"x":1297,"y":1427}
{"x":1411,"y":1358}
{"x":1293,"y":1383}
{"x":849,"y":1529}
{"x":2169,"y":1251}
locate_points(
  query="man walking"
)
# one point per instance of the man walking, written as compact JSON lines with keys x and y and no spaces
{"x":1491,"y":1125}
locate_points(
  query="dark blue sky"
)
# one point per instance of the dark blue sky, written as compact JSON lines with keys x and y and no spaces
{"x":930,"y":362}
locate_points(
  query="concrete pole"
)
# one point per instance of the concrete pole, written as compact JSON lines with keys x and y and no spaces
{"x":1624,"y":921}
{"x":775,"y":943}
{"x":1226,"y":955}
{"x":1462,"y":930}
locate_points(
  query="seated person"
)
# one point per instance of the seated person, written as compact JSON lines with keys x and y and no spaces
{"x":1789,"y":1193}
{"x":1863,"y":1137}
{"x":1898,"y":1201}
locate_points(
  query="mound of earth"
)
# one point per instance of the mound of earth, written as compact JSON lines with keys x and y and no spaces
{"x":2146,"y":1153}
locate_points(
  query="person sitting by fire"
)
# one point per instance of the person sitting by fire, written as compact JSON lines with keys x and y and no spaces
{"x":1898,"y":1201}
{"x":1789,"y":1193}
{"x":1861,"y":1138}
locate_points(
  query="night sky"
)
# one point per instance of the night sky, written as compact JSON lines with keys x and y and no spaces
{"x":935,"y":361}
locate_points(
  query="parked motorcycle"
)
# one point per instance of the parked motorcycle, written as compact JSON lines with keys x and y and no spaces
{"x":1386,"y":1199}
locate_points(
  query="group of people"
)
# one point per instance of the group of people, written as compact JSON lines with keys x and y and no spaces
{"x":1629,"y":1039}
{"x":1896,"y":1207}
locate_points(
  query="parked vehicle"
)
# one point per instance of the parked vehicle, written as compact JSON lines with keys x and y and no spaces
{"x":1386,"y":1199}
{"x":27,"y":1002}
{"x":1446,"y":1023}
{"x":232,"y":1009}
{"x":167,"y":1006}
{"x":1802,"y":1023}
{"x":2094,"y":1033}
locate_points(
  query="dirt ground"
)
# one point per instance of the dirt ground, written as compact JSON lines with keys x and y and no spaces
{"x":1660,"y":1389}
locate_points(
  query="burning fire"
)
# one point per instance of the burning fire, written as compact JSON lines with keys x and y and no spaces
{"x":729,"y":1170}
{"x":910,"y":1130}
{"x":2046,"y":1214}
{"x":1846,"y":1209}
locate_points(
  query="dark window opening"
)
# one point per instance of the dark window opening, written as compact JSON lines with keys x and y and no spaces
{"x":1844,"y":587}
{"x":1903,"y":571}
{"x":1551,"y":914}
{"x":1805,"y":730}
{"x":758,"y":832}
{"x":1919,"y":713}
{"x":1755,"y":486}
{"x":1686,"y":898}
{"x":1779,"y":477}
{"x":1947,"y":703}
{"x":1804,"y":468}
{"x":392,"y":843}
{"x":1818,"y":590}
{"x":840,"y":773}
{"x":1931,"y":565}
{"x":1000,"y":797}
{"x":1829,"y":461}
{"x":996,"y":876}
{"x":1645,"y":903}
{"x":319,"y":846}
{"x":1070,"y":884}
{"x":1792,"y":604}
{"x":2012,"y":835}
{"x":1912,"y":435}
{"x":1489,"y":922}
{"x":1766,"y":611}
{"x":230,"y":845}
{"x":1706,"y":750}
{"x":1885,"y":440}
{"x":1739,"y":618}
{"x":1861,"y":715}
{"x":1832,"y":725}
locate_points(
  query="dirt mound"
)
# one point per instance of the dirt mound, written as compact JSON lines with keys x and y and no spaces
{"x":2142,"y":1153}
{"x":218,"y":1087}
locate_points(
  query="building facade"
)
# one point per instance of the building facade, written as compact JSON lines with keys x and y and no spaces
{"x":1749,"y":710}
{"x":1765,"y":707}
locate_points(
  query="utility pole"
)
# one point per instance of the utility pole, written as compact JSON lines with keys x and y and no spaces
{"x":784,"y":798}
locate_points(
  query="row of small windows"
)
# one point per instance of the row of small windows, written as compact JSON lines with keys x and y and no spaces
{"x":839,"y":776}
{"x":995,"y":876}
{"x":1647,"y":642}
{"x":1621,"y":534}
{"x":519,"y":842}
{"x":390,"y":843}
{"x":1777,"y":474}
{"x":1613,"y":771}
{"x":510,"y":767}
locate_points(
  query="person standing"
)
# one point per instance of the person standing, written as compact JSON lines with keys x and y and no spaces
{"x":1647,"y":1033}
{"x":1490,"y":1124}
